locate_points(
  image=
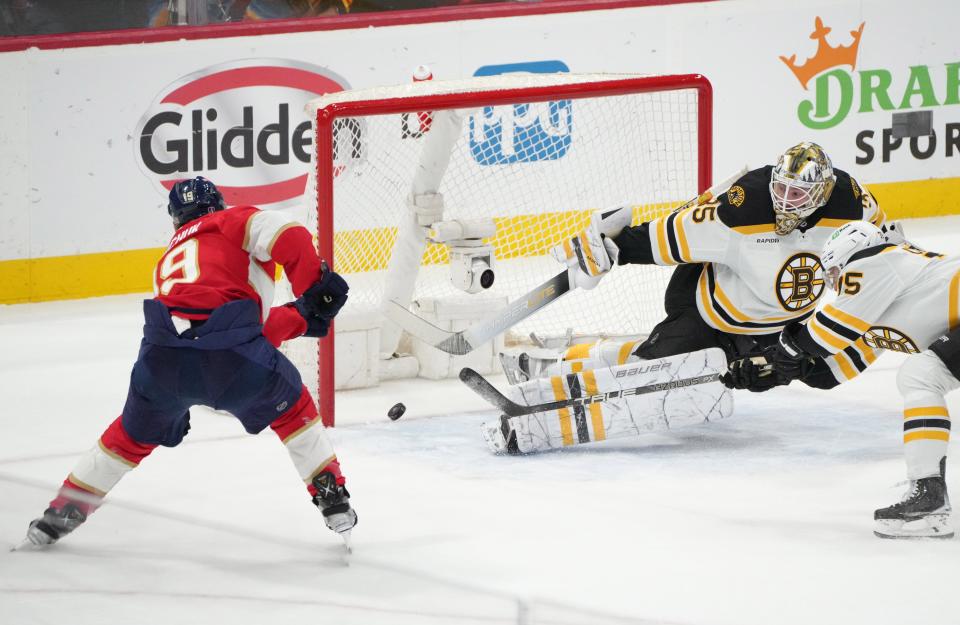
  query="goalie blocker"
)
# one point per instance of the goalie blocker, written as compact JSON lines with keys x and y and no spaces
{"x":618,"y":402}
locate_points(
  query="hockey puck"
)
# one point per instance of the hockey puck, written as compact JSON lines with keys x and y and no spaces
{"x":396,"y":411}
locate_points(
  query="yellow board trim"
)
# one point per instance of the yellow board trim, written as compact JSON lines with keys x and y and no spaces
{"x":596,"y":412}
{"x":112,"y":273}
{"x":74,"y":277}
{"x":566,"y":426}
{"x":935,"y":435}
{"x":926,"y":411}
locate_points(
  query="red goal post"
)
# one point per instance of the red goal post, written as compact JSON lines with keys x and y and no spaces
{"x":337,"y":134}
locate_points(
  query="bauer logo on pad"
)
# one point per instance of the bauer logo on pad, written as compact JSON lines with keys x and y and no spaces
{"x":522,"y":133}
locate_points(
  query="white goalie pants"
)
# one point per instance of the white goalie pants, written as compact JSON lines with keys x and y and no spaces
{"x":625,"y":401}
{"x":923,"y":381}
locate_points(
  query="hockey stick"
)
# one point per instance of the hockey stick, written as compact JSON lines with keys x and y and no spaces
{"x":465,"y":341}
{"x":510,"y":408}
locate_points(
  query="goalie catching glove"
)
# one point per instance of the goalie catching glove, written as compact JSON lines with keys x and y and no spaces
{"x":322,"y":301}
{"x":588,"y":256}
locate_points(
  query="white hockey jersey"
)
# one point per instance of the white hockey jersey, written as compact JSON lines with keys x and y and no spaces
{"x":894,"y":297}
{"x":753,"y":281}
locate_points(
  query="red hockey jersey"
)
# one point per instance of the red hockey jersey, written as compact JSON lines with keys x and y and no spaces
{"x":231,"y":255}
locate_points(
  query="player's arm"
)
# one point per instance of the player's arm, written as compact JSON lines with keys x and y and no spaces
{"x":833,"y":334}
{"x":691,"y":235}
{"x":321,"y":293}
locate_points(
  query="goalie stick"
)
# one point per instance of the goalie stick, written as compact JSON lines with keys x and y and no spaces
{"x":482,"y":387}
{"x":465,"y":341}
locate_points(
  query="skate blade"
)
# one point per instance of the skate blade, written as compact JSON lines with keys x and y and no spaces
{"x":347,"y":541}
{"x":934,"y":526}
{"x":26,"y":545}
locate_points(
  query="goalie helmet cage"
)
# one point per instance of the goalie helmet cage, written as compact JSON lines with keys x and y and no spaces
{"x":537,"y":153}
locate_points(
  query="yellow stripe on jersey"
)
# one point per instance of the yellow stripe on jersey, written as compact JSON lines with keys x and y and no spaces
{"x":596,"y":412}
{"x":826,"y":336}
{"x":846,"y":365}
{"x":954,"y":294}
{"x":879,"y":217}
{"x":868,"y":353}
{"x":625,"y":350}
{"x":926,"y":411}
{"x":846,"y":319}
{"x":707,"y":305}
{"x":576,"y":367}
{"x":568,"y":249}
{"x":559,"y":394}
{"x":727,"y":304}
{"x":682,"y":235}
{"x":662,"y":244}
{"x":757,"y":229}
{"x":929,"y":435}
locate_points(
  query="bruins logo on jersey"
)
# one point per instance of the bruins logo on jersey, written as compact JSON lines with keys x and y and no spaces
{"x":736,"y":195}
{"x":800,"y":282}
{"x":880,"y":337}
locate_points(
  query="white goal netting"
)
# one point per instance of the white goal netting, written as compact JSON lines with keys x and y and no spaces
{"x":531,"y":155}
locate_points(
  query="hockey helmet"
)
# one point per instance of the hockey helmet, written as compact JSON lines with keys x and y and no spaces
{"x":192,"y":198}
{"x":846,"y":241}
{"x":800,"y":183}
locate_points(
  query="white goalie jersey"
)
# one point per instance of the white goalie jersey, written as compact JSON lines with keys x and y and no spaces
{"x":753,"y":280}
{"x":894,"y":297}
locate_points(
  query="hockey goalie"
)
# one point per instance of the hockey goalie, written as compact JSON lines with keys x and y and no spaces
{"x":747,"y":255}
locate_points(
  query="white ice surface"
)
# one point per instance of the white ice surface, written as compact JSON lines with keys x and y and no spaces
{"x":762,"y":519}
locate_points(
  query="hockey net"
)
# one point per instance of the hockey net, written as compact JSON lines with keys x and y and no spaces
{"x":532,"y":154}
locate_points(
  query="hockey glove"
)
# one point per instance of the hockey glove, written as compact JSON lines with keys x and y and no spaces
{"x":789,"y":360}
{"x":588,"y":256}
{"x":325,"y":297}
{"x":317,"y":326}
{"x":752,"y":374}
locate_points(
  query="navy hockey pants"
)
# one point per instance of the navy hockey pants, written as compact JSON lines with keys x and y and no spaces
{"x":225,"y":363}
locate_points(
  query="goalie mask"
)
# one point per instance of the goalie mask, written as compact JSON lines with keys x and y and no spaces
{"x":846,"y":241}
{"x":193,"y":198}
{"x":801,"y":182}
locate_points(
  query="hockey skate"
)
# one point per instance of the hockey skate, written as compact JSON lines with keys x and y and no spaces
{"x":923,"y":512}
{"x":334,"y":502}
{"x":54,"y":525}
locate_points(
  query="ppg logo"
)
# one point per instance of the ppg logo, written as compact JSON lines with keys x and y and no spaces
{"x":522,"y":133}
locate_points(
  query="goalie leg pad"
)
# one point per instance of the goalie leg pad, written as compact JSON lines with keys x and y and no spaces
{"x":625,"y":416}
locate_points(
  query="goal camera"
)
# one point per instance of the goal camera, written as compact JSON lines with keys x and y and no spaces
{"x":471,"y":260}
{"x":471,"y":269}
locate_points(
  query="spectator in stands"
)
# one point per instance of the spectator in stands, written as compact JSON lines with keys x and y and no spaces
{"x":27,"y":17}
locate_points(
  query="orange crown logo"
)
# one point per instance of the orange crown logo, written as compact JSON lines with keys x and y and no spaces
{"x":827,"y":56}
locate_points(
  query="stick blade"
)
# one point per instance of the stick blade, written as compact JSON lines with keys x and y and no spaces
{"x":418,"y":327}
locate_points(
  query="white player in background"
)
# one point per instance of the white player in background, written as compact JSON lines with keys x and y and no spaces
{"x":748,"y":266}
{"x":905,"y":299}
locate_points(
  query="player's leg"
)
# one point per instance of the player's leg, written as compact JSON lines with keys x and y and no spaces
{"x":654,"y":408}
{"x":151,"y":416}
{"x":265,"y":389}
{"x":923,"y":380}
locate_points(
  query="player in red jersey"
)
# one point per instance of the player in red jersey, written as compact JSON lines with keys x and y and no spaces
{"x":211,"y":338}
